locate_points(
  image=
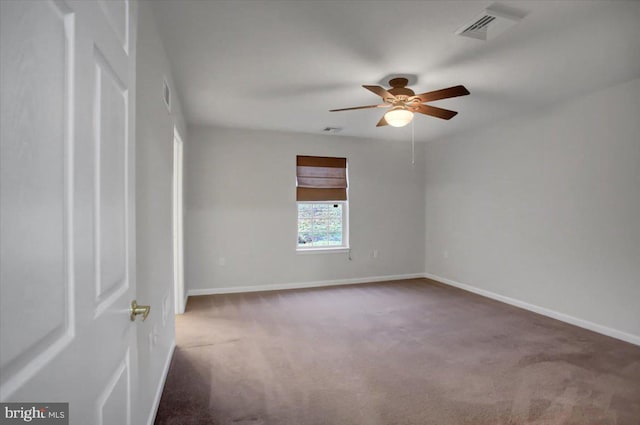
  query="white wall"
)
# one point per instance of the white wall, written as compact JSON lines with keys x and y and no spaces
{"x":240,"y":205}
{"x":545,"y":209}
{"x":154,"y":168}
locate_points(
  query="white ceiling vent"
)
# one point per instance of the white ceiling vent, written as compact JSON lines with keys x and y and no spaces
{"x":166,"y":94}
{"x":494,"y":20}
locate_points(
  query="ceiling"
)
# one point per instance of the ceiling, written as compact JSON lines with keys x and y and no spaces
{"x":281,"y":65}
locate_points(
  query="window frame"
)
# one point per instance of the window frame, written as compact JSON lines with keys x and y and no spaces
{"x":326,"y":249}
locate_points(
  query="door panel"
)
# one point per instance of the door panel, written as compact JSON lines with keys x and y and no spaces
{"x":67,"y":218}
{"x":35,"y":191}
{"x":116,"y":394}
{"x":117,"y":14}
{"x":111,"y":137}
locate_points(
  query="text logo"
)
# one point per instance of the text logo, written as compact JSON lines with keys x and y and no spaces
{"x":34,"y":413}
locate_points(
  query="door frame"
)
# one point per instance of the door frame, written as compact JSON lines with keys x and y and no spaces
{"x":178,"y":223}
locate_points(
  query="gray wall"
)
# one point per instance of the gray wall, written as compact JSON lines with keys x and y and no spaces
{"x":154,"y":168}
{"x":240,"y":206}
{"x":545,"y":209}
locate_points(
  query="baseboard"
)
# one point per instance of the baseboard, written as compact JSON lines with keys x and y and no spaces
{"x":614,"y":333}
{"x":163,"y":379}
{"x":300,"y":285}
{"x":184,"y":306}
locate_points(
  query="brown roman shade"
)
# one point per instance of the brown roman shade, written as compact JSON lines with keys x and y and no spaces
{"x":321,"y":178}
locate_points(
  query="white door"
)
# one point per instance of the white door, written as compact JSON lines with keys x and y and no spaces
{"x":66,"y":217}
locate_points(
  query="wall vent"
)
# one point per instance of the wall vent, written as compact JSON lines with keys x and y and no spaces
{"x":166,"y":94}
{"x":494,"y":20}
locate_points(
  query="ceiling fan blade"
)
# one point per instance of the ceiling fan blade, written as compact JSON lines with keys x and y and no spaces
{"x":443,"y":94}
{"x":380,"y":92}
{"x":384,"y":105}
{"x":445,"y":114}
{"x":382,"y":122}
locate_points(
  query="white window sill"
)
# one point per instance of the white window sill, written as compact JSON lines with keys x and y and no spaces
{"x":338,"y":250}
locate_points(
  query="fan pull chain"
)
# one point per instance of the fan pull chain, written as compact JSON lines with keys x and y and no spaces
{"x":413,"y":144}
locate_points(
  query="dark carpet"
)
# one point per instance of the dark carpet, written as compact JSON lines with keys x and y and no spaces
{"x":403,"y":352}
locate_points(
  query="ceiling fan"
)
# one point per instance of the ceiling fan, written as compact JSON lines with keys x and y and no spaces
{"x":404,"y":102}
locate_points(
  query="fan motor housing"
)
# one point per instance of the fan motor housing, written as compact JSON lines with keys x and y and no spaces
{"x":399,"y":87}
{"x":401,"y":91}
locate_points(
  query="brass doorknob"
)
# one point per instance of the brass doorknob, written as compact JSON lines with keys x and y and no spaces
{"x":139,"y":309}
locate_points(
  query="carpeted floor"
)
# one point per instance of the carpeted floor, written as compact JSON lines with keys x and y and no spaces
{"x":391,"y":353}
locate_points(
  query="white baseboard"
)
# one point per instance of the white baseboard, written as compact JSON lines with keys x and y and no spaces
{"x":614,"y":333}
{"x":163,"y":379}
{"x":300,"y":285}
{"x":184,"y":306}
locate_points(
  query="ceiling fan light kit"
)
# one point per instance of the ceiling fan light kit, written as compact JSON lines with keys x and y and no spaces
{"x":404,"y":102}
{"x":398,"y":117}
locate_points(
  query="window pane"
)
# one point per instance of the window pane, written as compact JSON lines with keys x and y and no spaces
{"x":305,"y":211}
{"x":320,"y":226}
{"x":304,"y":226}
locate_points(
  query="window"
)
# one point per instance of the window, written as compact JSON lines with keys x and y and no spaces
{"x":321,"y":224}
{"x":322,"y":203}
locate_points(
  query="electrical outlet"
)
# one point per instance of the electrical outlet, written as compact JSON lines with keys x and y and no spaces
{"x":375,"y":253}
{"x":222,"y":261}
{"x":445,"y":254}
